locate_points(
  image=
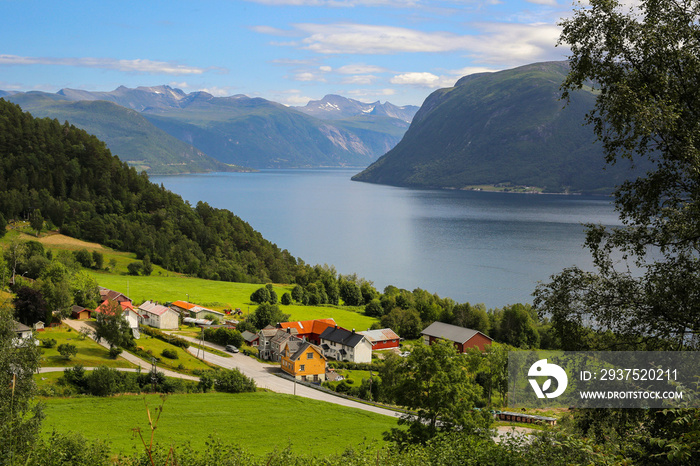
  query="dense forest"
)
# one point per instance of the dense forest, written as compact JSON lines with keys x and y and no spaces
{"x":70,"y":179}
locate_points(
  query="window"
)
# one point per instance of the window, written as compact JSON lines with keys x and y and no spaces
{"x":301,"y":368}
{"x":309,"y":355}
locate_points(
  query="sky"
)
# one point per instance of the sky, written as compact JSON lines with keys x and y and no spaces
{"x":288,"y":51}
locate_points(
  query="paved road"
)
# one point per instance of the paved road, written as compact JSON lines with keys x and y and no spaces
{"x":264,"y":376}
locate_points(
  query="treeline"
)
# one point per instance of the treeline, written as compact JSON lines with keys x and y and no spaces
{"x":69,"y":179}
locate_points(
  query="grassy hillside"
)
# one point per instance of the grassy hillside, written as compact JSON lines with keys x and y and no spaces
{"x":166,"y":286}
{"x":238,"y":419}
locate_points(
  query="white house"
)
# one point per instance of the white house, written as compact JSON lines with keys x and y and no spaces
{"x":158,"y":316}
{"x":344,"y":345}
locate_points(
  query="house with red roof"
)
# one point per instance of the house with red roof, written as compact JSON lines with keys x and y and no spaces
{"x":127,"y":310}
{"x":309,"y":330}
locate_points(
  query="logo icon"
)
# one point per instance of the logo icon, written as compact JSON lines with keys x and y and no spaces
{"x":542,"y":369}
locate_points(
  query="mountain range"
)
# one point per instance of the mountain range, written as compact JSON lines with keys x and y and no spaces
{"x":507,"y":128}
{"x":165,"y":130}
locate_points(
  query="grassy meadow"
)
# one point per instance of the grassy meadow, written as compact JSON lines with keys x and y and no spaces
{"x":166,"y":286}
{"x":258,"y":422}
{"x":90,"y":354}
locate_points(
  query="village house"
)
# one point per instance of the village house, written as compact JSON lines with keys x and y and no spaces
{"x":381,"y":339}
{"x":463,"y":338}
{"x":111,"y":295}
{"x":22,"y":331}
{"x":309,"y":330}
{"x":344,"y":345}
{"x":158,"y":316}
{"x":280,"y":340}
{"x":304,"y":361}
{"x":195,"y":311}
{"x":251,"y":339}
{"x":264,"y":342}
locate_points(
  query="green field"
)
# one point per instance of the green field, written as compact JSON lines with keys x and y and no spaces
{"x":259,"y":422}
{"x":220,"y":295}
{"x":90,"y":354}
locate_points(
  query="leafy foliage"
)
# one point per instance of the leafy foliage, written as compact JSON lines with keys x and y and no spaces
{"x":89,"y":194}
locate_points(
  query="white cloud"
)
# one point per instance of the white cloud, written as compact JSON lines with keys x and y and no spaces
{"x":377,"y":40}
{"x":360,"y":68}
{"x":363,"y":79}
{"x":325,"y":69}
{"x":423,"y":79}
{"x":129,"y":66}
{"x":507,"y":44}
{"x":307,"y":76}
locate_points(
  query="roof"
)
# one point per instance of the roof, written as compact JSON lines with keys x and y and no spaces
{"x":198,"y":309}
{"x":19,"y":327}
{"x":451,"y":332}
{"x":106,"y":293}
{"x":183,"y":305}
{"x":154,"y":308}
{"x":305,"y":327}
{"x":302,"y":348}
{"x":282,"y":335}
{"x":249,"y":336}
{"x":268,"y":331}
{"x":104,"y":306}
{"x":384,"y":334}
{"x":342,"y":336}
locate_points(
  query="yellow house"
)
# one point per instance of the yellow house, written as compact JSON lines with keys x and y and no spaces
{"x":304,"y":361}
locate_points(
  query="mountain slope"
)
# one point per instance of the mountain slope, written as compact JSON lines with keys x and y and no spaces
{"x":72,"y":180}
{"x":126,"y":132}
{"x":507,"y":127}
{"x":263,"y":134}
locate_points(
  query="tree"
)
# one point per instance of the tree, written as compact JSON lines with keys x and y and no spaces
{"x":644,"y":62}
{"x":99,"y":259}
{"x":433,"y":382}
{"x":30,"y":306}
{"x":112,"y":326}
{"x":267,"y":314}
{"x":3,"y":225}
{"x":286,"y":299}
{"x":36,"y":221}
{"x":67,"y":350}
{"x":20,"y":415}
{"x":134,"y":268}
{"x":83,"y":257}
{"x":261,"y":295}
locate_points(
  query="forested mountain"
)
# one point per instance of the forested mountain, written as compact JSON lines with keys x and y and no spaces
{"x":237,"y":130}
{"x":508,"y":127}
{"x":126,"y":132}
{"x":71,"y":179}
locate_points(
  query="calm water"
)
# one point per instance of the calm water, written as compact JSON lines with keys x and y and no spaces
{"x":479,"y":247}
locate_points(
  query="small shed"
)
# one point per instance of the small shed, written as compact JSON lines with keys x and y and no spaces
{"x":80,"y":313}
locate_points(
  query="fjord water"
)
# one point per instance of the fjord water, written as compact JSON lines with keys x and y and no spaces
{"x":477,"y":247}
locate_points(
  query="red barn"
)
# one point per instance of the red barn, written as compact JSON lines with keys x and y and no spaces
{"x":384,"y":338}
{"x":463,"y":338}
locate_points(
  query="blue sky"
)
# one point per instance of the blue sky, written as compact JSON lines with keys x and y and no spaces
{"x":289,"y":51}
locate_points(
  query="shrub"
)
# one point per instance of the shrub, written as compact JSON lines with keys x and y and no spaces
{"x":169,"y":353}
{"x":114,"y":352}
{"x":48,"y":343}
{"x":233,"y":381}
{"x":67,"y":350}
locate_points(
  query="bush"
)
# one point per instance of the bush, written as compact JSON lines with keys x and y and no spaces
{"x":67,"y":350}
{"x":169,"y":353}
{"x":114,"y":352}
{"x":233,"y":381}
{"x":172,"y":339}
{"x":48,"y":343}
